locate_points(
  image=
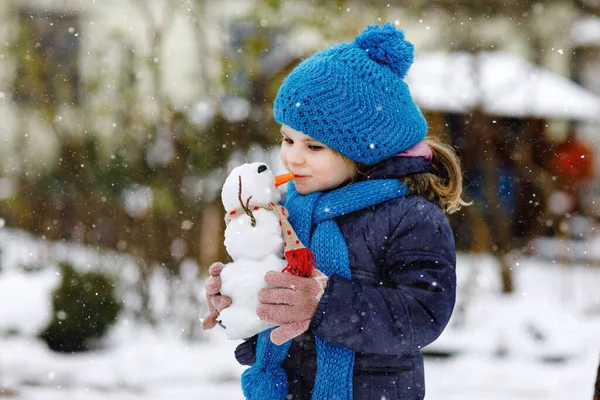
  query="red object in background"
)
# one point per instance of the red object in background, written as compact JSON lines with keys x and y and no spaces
{"x":573,"y":162}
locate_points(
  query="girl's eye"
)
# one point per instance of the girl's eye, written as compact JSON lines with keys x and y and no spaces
{"x":315,"y":147}
{"x":287,"y":140}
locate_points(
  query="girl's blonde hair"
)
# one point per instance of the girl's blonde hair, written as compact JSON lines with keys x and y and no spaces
{"x":443,"y":186}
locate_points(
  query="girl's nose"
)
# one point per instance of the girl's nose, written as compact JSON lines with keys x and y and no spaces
{"x":295,"y":156}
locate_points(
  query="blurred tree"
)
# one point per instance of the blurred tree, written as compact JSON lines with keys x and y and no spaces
{"x":47,"y":67}
{"x":589,"y":6}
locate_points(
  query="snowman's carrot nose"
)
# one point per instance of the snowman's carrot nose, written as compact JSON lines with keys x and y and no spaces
{"x":284,"y":178}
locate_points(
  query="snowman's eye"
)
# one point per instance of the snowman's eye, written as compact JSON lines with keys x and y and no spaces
{"x":262,"y":168}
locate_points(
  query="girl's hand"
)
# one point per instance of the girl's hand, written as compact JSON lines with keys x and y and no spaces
{"x":214,"y":300}
{"x":291,"y":304}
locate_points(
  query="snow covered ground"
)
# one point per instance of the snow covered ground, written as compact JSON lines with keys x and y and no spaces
{"x":542,"y":342}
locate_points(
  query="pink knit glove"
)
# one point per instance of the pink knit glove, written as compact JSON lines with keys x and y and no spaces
{"x":291,"y":304}
{"x":214,"y":300}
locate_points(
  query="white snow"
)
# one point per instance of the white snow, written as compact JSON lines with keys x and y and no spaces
{"x":26,"y":294}
{"x":235,"y":109}
{"x":542,"y":342}
{"x":161,"y":152}
{"x":499,"y":83}
{"x":202,"y":112}
{"x":8,"y":188}
{"x":138,"y":199}
{"x":585,"y":32}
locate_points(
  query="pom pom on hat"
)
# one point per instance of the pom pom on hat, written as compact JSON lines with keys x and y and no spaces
{"x":386,"y":45}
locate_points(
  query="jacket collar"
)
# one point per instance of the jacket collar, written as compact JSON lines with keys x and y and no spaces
{"x":396,"y":167}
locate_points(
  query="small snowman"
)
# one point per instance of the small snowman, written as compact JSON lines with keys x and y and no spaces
{"x":259,"y":238}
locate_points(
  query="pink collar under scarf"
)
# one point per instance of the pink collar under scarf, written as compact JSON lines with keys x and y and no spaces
{"x":420,"y":149}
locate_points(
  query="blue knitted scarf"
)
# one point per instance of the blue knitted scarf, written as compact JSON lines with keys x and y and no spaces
{"x":266,"y":379}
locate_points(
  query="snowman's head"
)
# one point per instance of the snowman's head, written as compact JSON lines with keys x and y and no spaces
{"x":257,"y":180}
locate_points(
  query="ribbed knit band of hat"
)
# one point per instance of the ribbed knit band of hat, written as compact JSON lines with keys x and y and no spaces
{"x":352,"y":97}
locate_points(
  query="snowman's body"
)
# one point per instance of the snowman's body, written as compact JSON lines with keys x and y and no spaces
{"x":242,"y":240}
{"x":255,"y":250}
{"x":239,"y":283}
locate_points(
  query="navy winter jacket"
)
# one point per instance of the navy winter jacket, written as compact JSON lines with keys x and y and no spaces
{"x":400,"y":297}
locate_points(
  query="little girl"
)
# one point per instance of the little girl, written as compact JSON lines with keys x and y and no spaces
{"x":368,"y":199}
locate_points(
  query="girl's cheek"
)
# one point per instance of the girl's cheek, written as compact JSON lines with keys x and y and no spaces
{"x":282,"y":154}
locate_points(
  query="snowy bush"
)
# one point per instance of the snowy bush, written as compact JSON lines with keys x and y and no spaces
{"x":84,"y":308}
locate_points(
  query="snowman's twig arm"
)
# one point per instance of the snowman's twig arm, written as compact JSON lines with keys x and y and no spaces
{"x":245,"y":207}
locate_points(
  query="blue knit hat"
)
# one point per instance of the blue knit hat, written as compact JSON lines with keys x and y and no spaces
{"x":352,"y":97}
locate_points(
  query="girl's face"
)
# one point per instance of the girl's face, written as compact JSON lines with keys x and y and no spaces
{"x":316,"y":166}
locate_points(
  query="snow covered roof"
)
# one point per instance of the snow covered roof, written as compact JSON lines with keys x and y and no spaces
{"x":500,"y":83}
{"x":585,"y":32}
